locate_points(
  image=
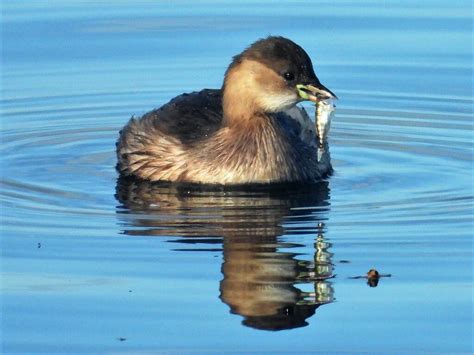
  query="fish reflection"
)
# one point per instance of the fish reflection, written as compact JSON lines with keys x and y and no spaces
{"x":265,"y":282}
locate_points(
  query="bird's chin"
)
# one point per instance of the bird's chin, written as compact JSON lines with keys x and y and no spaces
{"x":278,"y":102}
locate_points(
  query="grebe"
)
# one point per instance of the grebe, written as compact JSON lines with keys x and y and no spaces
{"x":249,"y":131}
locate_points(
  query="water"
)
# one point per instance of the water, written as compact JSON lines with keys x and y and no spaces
{"x":92,"y":264}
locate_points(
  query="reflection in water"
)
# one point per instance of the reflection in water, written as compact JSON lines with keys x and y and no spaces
{"x":270,"y":286}
{"x":260,"y":282}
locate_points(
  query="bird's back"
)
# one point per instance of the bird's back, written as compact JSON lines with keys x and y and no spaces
{"x":189,"y":117}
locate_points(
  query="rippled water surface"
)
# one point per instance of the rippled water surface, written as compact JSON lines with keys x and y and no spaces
{"x":90,"y":263}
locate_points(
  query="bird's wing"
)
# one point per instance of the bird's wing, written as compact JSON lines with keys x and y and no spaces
{"x":189,"y":117}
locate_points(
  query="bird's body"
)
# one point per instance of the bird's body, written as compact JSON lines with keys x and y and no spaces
{"x":250,"y":131}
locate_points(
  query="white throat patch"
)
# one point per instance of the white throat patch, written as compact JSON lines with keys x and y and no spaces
{"x":278,"y":102}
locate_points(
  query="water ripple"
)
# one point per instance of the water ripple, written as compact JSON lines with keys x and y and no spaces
{"x":373,"y":149}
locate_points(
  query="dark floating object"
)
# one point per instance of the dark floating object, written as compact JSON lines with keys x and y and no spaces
{"x":373,"y":274}
{"x":121,"y":339}
{"x":372,"y":277}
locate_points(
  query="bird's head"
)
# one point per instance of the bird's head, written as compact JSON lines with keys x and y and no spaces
{"x":271,"y":75}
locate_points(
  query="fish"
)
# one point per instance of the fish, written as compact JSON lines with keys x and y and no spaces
{"x":323,"y":115}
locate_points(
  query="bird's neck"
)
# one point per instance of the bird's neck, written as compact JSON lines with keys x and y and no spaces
{"x":239,"y":110}
{"x":240,"y":93}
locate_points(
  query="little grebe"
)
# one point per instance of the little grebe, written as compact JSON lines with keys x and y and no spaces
{"x":249,"y":131}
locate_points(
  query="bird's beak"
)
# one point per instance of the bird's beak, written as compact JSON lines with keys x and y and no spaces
{"x":314,"y":92}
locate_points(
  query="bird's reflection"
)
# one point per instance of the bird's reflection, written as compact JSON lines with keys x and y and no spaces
{"x":260,"y":282}
{"x":272,"y":287}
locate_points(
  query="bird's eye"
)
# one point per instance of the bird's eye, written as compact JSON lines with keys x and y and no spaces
{"x":289,"y":76}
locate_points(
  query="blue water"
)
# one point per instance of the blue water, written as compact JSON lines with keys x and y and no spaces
{"x":90,"y":264}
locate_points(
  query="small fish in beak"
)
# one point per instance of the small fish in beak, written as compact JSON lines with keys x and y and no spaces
{"x":324,"y":100}
{"x":324,"y":114}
